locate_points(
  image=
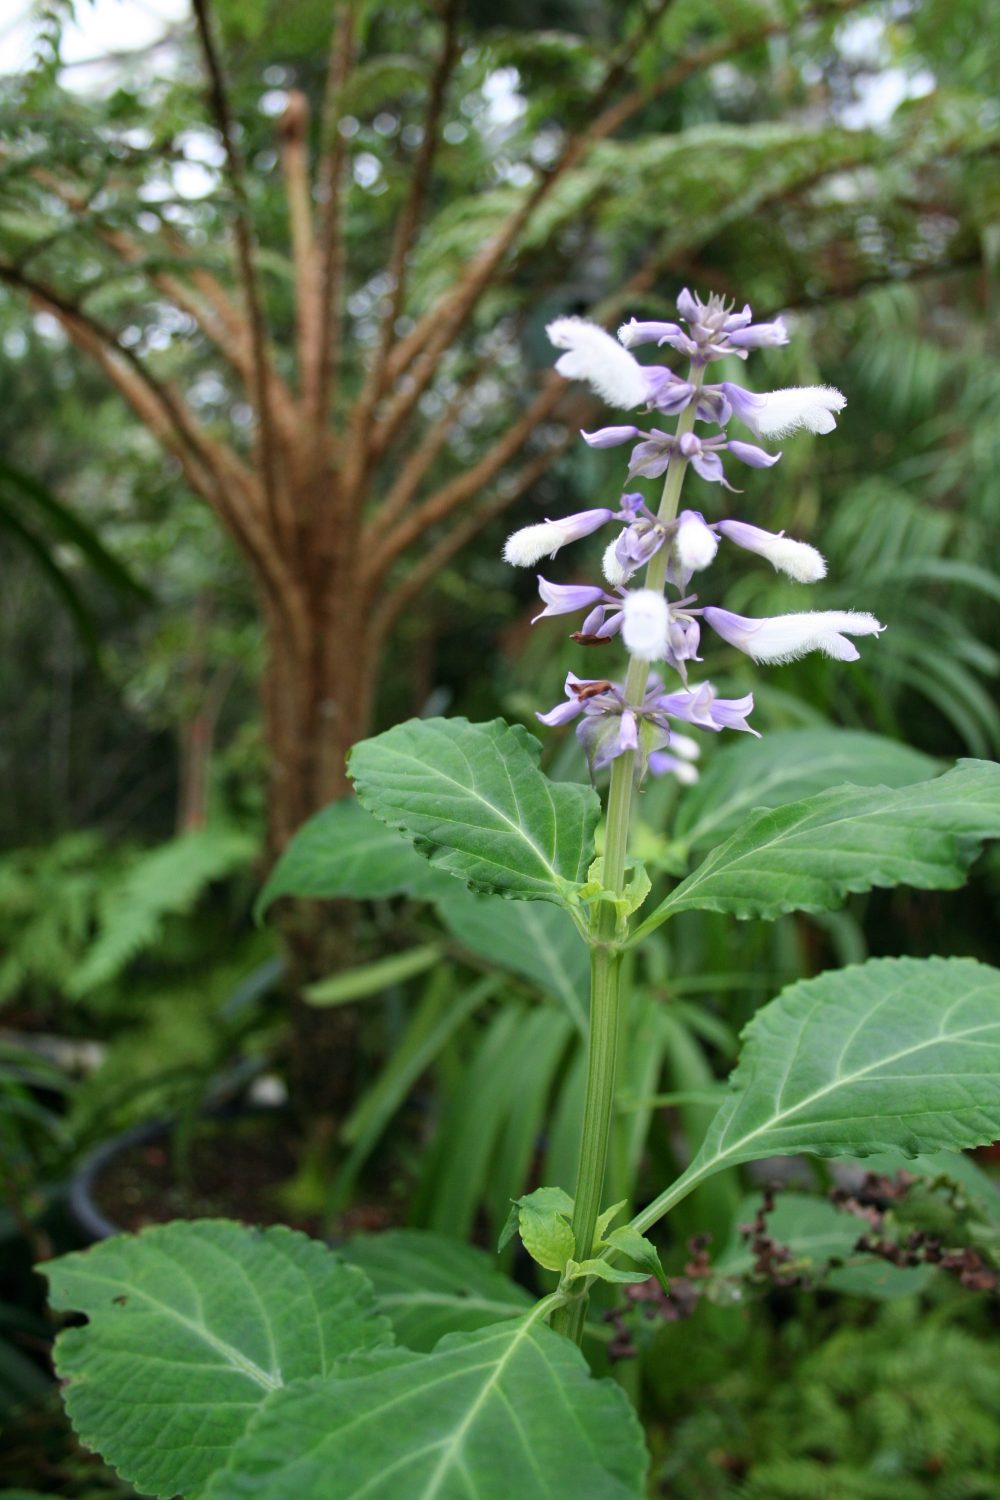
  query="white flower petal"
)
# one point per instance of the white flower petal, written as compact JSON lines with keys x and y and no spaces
{"x":803,"y":406}
{"x":524,"y":548}
{"x":695,"y":543}
{"x":597,"y":358}
{"x":644,"y":629}
{"x":612,"y":568}
{"x":787,"y":637}
{"x":797,"y":559}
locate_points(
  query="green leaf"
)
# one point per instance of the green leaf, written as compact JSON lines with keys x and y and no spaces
{"x":810,"y":855}
{"x":543,"y":1220}
{"x":344,"y":851}
{"x":636,"y":1246}
{"x":191,"y":1326}
{"x":507,"y":1410}
{"x":534,"y":940}
{"x":374,"y":978}
{"x":637,"y":887}
{"x":606,"y":1218}
{"x":429,"y":1285}
{"x":785,"y":767}
{"x":897,"y":1054}
{"x":604,"y":1272}
{"x":471,"y":797}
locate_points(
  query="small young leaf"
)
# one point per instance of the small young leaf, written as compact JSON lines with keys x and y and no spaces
{"x":191,"y":1326}
{"x":547,"y":1237}
{"x":604,"y":1220}
{"x":509,"y":1229}
{"x":542,"y":1217}
{"x":549,"y":1200}
{"x":809,"y":855}
{"x":636,"y":1246}
{"x":604,"y":1272}
{"x":472,"y":799}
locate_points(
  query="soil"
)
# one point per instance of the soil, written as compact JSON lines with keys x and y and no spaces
{"x":238,"y":1169}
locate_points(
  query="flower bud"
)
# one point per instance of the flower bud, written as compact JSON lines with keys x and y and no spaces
{"x":609,"y":437}
{"x":760,"y":336}
{"x":633,"y":332}
{"x":748,"y":453}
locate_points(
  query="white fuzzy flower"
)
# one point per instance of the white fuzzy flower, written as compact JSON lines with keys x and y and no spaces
{"x":612,"y":567}
{"x":695,"y":542}
{"x":594,"y":356}
{"x":524,"y":548}
{"x":644,"y":629}
{"x":797,"y":559}
{"x":786,"y":637}
{"x":776,"y":414}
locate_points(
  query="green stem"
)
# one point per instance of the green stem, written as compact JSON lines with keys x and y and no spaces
{"x":606,"y":953}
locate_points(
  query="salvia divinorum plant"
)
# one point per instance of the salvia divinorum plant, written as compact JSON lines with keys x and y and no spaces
{"x":245,"y":1365}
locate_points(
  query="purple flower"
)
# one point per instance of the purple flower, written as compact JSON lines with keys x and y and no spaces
{"x":567,"y":598}
{"x":668,"y":392}
{"x":701,"y":707}
{"x":651,"y":458}
{"x":633,"y":332}
{"x":631,"y":550}
{"x":759,"y":335}
{"x":747,"y":453}
{"x":609,"y":437}
{"x":579,"y":691}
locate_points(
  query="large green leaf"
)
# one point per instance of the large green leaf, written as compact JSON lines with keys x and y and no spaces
{"x":429,"y":1285}
{"x":506,"y":1410}
{"x":810,"y":855}
{"x":471,"y":797}
{"x":785,"y":767}
{"x":897,"y":1054}
{"x":191,"y":1326}
{"x":344,"y":851}
{"x":538,"y":942}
